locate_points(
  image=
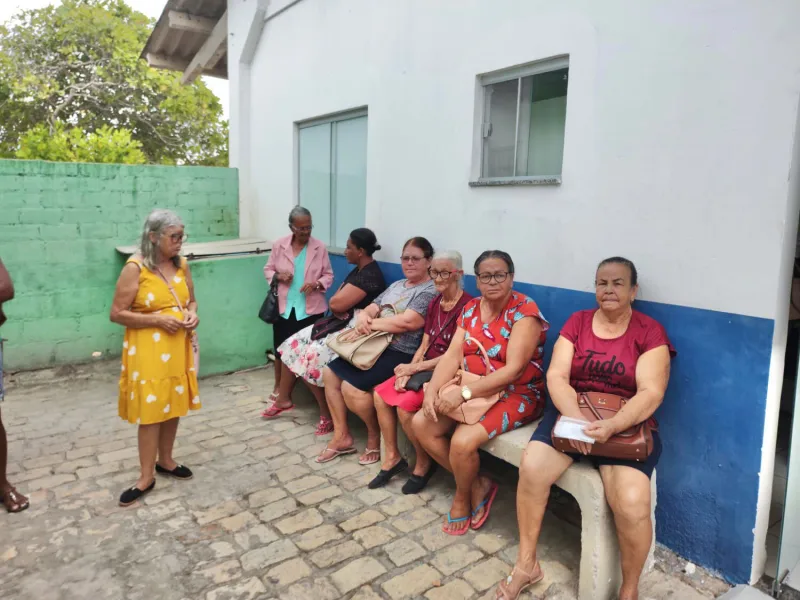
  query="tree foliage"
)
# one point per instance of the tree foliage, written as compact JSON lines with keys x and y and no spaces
{"x":76,"y":69}
{"x":105,"y":145}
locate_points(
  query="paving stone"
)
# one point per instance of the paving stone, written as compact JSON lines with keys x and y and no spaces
{"x":412,"y":583}
{"x":44,"y":461}
{"x":332,"y":555}
{"x":117,"y":455}
{"x":281,"y":463}
{"x":319,"y":536}
{"x":277,"y":509}
{"x":305,"y":483}
{"x":434,"y":539}
{"x":221,"y":573}
{"x":458,"y":589}
{"x":276,"y":552}
{"x":266,"y":496}
{"x":454,"y":558}
{"x":73,"y":465}
{"x":222,"y":549}
{"x":92,"y":472}
{"x":340,"y":506}
{"x":489,"y":542}
{"x":46,"y":483}
{"x":288,"y":572}
{"x":487,"y":573}
{"x":318,"y":496}
{"x":365,"y":593}
{"x":300,"y":522}
{"x":365,"y":519}
{"x":238,"y":522}
{"x":260,"y":535}
{"x":404,"y":551}
{"x":245,"y":590}
{"x":357,"y":573}
{"x":400,"y":504}
{"x":225,"y":509}
{"x":316,"y":589}
{"x":413,"y":520}
{"x":373,"y":536}
{"x":373,"y":497}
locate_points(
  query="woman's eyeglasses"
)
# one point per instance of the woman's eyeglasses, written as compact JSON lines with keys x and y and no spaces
{"x":412,"y":259}
{"x":488,"y":277}
{"x":303,"y":229}
{"x":178,"y":237}
{"x":445,"y":275}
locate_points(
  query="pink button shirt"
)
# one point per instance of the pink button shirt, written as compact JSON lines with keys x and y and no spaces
{"x":318,"y":269}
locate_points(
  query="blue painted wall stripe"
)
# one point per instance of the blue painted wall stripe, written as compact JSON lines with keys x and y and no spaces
{"x":712,"y":422}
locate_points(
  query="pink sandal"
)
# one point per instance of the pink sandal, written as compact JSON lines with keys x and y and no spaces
{"x":324,"y":427}
{"x":273,"y":411}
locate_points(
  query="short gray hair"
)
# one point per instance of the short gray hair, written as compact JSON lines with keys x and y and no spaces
{"x":157,"y":222}
{"x":454,"y":256}
{"x":297,"y":212}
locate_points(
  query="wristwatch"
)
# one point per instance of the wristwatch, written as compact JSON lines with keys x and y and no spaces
{"x":466,"y":393}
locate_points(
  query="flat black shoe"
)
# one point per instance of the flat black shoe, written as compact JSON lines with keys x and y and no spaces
{"x":130,"y":496}
{"x":417,"y":483}
{"x":383,"y":477}
{"x":179,"y":472}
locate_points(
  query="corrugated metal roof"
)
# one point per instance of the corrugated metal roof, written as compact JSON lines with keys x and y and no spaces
{"x":180,"y":33}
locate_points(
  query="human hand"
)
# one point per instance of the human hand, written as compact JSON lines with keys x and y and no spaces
{"x":449,"y":401}
{"x":364,"y":324}
{"x":581,"y":447}
{"x":285,"y":277}
{"x":405,"y":370}
{"x":191,"y":320}
{"x":349,"y":335}
{"x":400,"y":383}
{"x":601,"y":430}
{"x":308,"y":288}
{"x":168,"y":323}
{"x":429,"y":407}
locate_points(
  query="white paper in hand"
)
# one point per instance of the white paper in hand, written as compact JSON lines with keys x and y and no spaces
{"x":572,"y":429}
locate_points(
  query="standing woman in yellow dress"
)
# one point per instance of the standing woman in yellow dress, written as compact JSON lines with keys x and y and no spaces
{"x":155,"y":302}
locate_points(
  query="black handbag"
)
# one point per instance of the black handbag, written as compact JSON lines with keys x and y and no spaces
{"x":417,"y":380}
{"x":270,"y":313}
{"x":326,"y":326}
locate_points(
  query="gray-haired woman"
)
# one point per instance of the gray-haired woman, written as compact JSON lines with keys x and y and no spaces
{"x":155,"y":302}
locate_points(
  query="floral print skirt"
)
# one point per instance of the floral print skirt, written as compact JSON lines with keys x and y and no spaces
{"x":305,"y":357}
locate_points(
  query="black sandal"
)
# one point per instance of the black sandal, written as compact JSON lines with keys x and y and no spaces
{"x":417,"y":483}
{"x":383,"y":477}
{"x":179,"y":472}
{"x":130,"y":496}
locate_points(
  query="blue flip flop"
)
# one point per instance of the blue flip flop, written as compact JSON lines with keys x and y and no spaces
{"x":458,"y":520}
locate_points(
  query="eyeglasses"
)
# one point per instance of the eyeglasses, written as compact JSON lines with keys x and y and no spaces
{"x":303,"y":229}
{"x":178,"y":237}
{"x":411,"y":259}
{"x":445,"y":275}
{"x":499,"y":277}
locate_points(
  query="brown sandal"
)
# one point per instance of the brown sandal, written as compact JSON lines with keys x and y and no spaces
{"x":14,"y":501}
{"x":503,"y":589}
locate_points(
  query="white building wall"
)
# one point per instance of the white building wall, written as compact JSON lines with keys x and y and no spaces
{"x":678,"y":135}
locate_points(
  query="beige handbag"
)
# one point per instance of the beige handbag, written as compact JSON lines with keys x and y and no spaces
{"x":365,"y":350}
{"x":470,"y":411}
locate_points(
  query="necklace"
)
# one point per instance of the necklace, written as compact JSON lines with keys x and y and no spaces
{"x":446,"y":310}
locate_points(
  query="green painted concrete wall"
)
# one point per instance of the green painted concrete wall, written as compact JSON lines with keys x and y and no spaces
{"x":59,"y":226}
{"x":229,"y":293}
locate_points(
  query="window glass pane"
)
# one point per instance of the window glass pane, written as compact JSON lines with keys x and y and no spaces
{"x":350,"y":177}
{"x":501,"y":113}
{"x":315,"y":177}
{"x":542,"y":122}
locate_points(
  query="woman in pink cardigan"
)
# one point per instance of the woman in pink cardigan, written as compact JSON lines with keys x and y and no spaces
{"x":301,"y":299}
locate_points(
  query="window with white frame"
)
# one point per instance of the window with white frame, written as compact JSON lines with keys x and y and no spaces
{"x":523,"y":120}
{"x":332,"y":175}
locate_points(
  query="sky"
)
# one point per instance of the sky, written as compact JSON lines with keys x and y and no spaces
{"x":152,"y":8}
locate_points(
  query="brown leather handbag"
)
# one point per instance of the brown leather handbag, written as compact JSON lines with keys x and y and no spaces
{"x":635,"y":443}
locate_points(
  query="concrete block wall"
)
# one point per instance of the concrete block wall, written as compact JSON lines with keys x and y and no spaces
{"x":59,"y":226}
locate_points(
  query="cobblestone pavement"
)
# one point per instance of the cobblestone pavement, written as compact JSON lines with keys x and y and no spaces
{"x":260,"y":520}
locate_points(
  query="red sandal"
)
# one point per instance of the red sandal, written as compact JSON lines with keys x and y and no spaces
{"x":273,"y":411}
{"x":324,"y":427}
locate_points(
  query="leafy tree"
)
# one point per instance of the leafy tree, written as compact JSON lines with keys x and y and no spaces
{"x":76,"y":67}
{"x":105,"y":145}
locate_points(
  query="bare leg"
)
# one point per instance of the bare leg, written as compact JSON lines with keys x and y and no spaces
{"x":287,"y":381}
{"x":20,"y":500}
{"x":363,"y":405}
{"x":149,"y":436}
{"x":433,"y":437}
{"x":278,"y":367}
{"x":470,"y":487}
{"x":628,"y":495}
{"x":166,"y":442}
{"x":319,"y":396}
{"x":387,"y":420}
{"x":540,"y":468}
{"x":423,"y":464}
{"x":342,"y":438}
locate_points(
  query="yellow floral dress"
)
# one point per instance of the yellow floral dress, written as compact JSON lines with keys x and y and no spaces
{"x":158,"y":380}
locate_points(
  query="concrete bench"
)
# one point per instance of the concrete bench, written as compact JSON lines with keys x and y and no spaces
{"x":600,"y":575}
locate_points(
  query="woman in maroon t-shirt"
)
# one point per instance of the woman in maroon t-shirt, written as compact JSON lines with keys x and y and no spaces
{"x":441,"y":322}
{"x":616,"y":350}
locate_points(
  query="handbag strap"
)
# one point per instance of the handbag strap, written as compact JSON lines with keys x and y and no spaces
{"x":172,"y":290}
{"x":482,"y":349}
